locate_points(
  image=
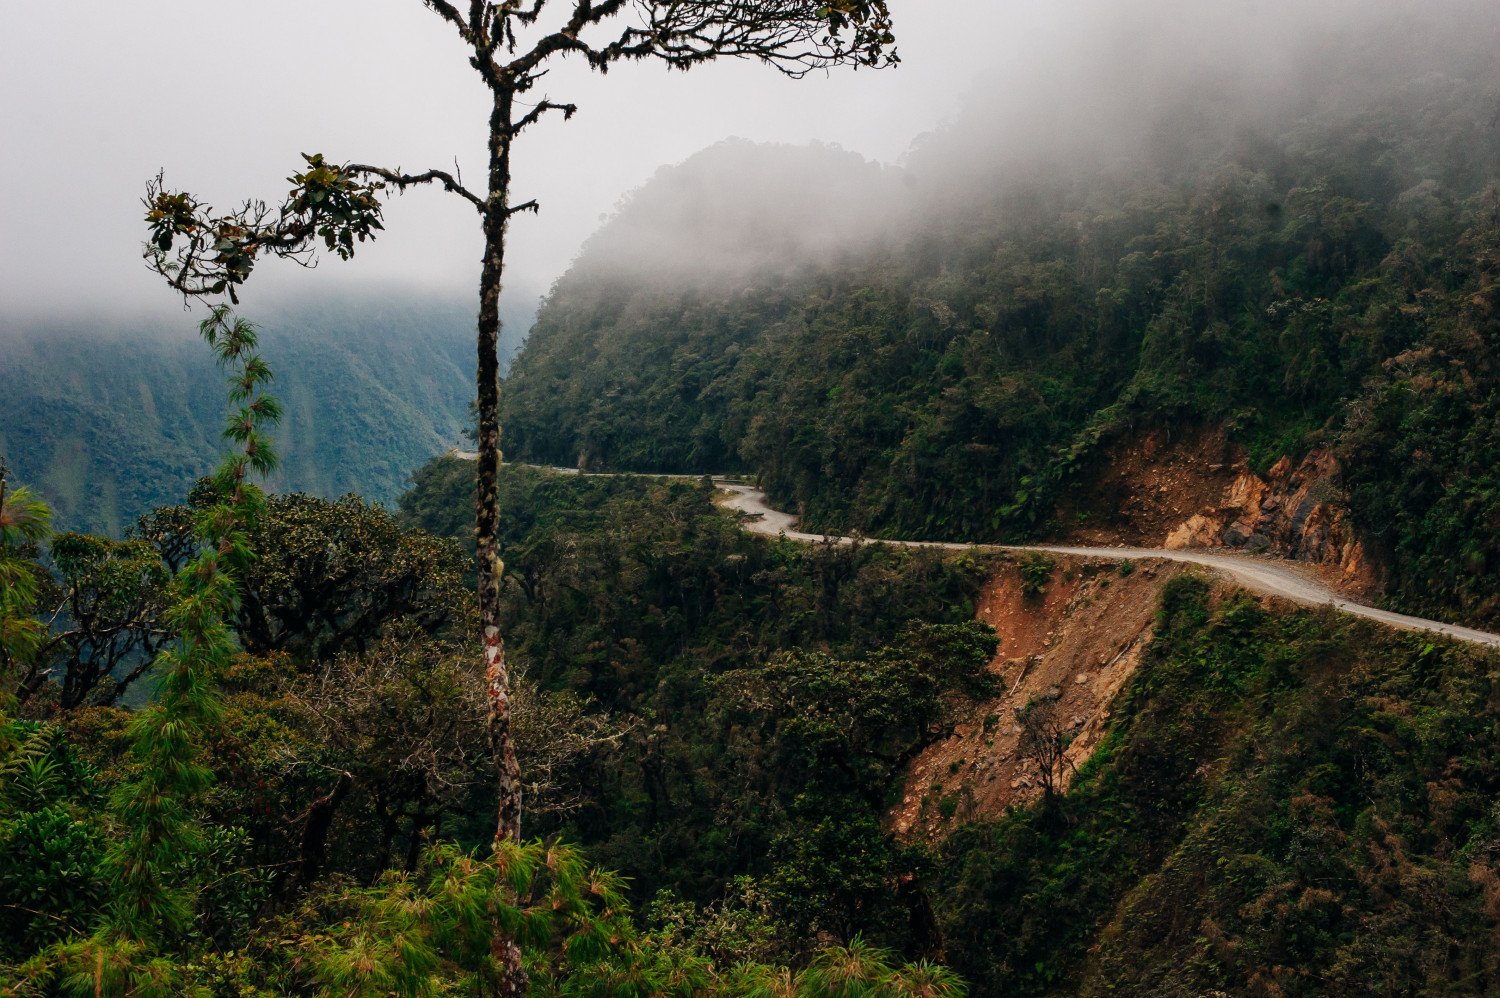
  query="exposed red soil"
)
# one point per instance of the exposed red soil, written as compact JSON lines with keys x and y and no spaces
{"x":1196,"y":490}
{"x":1149,"y":484}
{"x":1081,"y":640}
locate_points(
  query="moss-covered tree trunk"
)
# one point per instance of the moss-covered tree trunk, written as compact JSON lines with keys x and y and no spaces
{"x":490,"y":567}
{"x":486,"y":496}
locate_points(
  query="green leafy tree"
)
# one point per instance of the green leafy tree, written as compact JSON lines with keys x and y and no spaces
{"x":108,"y":602}
{"x":52,"y":879}
{"x":822,"y":738}
{"x":150,"y":869}
{"x":379,"y":753}
{"x":331,"y":576}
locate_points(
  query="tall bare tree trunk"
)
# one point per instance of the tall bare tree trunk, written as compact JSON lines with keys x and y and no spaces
{"x":487,"y":515}
{"x":487,"y":499}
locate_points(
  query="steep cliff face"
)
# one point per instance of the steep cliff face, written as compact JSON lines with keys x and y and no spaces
{"x":1197,"y":490}
{"x":1296,"y":511}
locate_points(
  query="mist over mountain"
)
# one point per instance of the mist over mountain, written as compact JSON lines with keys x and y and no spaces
{"x":1385,"y":94}
{"x":1275,"y":220}
{"x":741,"y":209}
{"x":1168,"y":85}
{"x":108,"y":419}
{"x":1043,"y":643}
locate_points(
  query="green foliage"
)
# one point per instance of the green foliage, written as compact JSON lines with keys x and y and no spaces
{"x":333,"y":576}
{"x":328,"y":853}
{"x":24,"y":523}
{"x":1296,"y":287}
{"x":200,"y":253}
{"x":780,"y":688}
{"x":829,"y":737}
{"x":1282,"y":803}
{"x":52,"y":878}
{"x":1290,"y":800}
{"x":436,"y":927}
{"x":155,"y":805}
{"x":1421,"y":446}
{"x":24,"y":519}
{"x":1287,"y":798}
{"x":1036,"y":573}
{"x":113,"y":596}
{"x":740,"y":926}
{"x":827,"y":718}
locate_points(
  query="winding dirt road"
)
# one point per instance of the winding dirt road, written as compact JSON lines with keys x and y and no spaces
{"x":1260,"y":574}
{"x":1276,"y":578}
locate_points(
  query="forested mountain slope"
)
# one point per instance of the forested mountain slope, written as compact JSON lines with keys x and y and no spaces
{"x":1309,"y":272}
{"x":1267,"y":801}
{"x":111,"y":422}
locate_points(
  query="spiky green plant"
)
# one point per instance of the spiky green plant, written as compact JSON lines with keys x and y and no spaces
{"x":925,"y":979}
{"x":156,"y":806}
{"x":24,"y":524}
{"x":434,"y":931}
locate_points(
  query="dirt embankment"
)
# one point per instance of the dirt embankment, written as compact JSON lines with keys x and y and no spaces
{"x":1078,"y":641}
{"x":1198,"y":491}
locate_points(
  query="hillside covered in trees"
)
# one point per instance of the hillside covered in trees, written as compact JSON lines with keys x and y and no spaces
{"x":110,"y":421}
{"x":258,"y":742}
{"x":1283,"y":799}
{"x":950,"y":349}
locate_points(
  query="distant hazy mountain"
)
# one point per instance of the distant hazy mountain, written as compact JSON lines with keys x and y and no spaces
{"x":109,"y":422}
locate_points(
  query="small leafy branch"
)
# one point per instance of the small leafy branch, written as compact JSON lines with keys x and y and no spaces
{"x":201,"y":253}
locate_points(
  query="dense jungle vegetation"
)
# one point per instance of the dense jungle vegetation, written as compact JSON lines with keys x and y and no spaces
{"x":1320,"y":272}
{"x":297,"y":803}
{"x":1286,"y":802}
{"x":240,"y":751}
{"x":776,"y":689}
{"x":244,"y":747}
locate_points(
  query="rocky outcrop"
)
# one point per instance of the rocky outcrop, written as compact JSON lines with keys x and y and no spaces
{"x":1293,"y":511}
{"x":1193,"y":488}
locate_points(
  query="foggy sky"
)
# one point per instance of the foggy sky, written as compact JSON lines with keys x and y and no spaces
{"x":223,"y":96}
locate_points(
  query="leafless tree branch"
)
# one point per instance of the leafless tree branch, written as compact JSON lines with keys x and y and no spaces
{"x":450,"y":14}
{"x":404,"y":180}
{"x":535,"y":114}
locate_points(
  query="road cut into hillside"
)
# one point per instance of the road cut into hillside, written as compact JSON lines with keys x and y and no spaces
{"x":1286,"y":579}
{"x":1264,"y":575}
